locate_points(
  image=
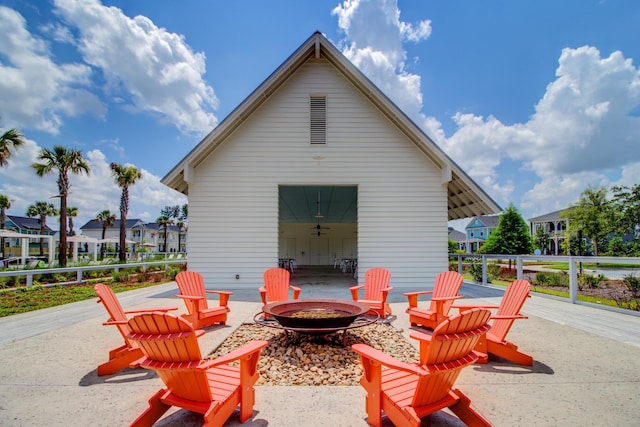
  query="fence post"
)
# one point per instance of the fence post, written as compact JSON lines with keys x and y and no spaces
{"x":518,"y":267}
{"x":484,"y":270}
{"x":573,"y":281}
{"x":29,"y":280}
{"x":460,"y":264}
{"x":79,"y":276}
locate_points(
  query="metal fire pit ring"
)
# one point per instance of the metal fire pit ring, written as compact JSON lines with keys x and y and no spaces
{"x":351,"y":315}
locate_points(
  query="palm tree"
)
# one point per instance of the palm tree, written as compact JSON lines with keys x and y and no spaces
{"x":10,"y":139}
{"x":108,"y":220}
{"x":5,"y":204}
{"x":164,"y":221}
{"x":182,"y":224}
{"x":125,"y":176}
{"x":42,"y":210}
{"x":63,"y":160}
{"x":72,"y":212}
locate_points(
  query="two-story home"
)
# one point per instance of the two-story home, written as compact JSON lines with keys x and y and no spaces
{"x":479,"y":229}
{"x":24,"y":225}
{"x":147,"y":235}
{"x":555,"y":226}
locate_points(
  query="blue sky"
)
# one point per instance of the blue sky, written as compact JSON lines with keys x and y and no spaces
{"x":536,"y":100}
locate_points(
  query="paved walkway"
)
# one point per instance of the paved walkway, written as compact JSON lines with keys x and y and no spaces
{"x":586,"y":370}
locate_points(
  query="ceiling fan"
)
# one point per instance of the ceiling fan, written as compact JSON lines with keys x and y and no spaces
{"x":318,"y":215}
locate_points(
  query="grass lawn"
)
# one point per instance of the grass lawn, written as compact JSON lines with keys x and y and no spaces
{"x":24,"y":299}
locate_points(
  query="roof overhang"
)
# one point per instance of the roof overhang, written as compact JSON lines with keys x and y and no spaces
{"x":465,"y":198}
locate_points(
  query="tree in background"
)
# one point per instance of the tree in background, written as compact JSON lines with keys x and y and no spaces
{"x":125,"y":176}
{"x":541,"y":240}
{"x":164,"y":221}
{"x":65,"y":161}
{"x":174,"y":214}
{"x":591,"y":217}
{"x":72,"y":212}
{"x":108,"y":220}
{"x":42,"y":210}
{"x":182,"y":224}
{"x":626,"y":204}
{"x":9,"y":140}
{"x":511,"y":237}
{"x":5,"y":204}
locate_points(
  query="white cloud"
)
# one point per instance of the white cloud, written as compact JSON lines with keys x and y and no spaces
{"x":89,"y":193}
{"x":582,"y":132}
{"x":46,"y":91}
{"x":151,"y":69}
{"x":375,"y":34}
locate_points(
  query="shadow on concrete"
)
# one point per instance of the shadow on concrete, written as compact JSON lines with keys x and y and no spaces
{"x":127,"y":375}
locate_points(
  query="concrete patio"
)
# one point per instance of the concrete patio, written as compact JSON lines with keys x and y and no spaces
{"x":586,"y":370}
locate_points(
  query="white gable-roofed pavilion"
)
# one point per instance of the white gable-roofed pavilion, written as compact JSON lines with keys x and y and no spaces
{"x":317,"y":164}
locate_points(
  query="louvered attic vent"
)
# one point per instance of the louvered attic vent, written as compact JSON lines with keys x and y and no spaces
{"x":318,"y":118}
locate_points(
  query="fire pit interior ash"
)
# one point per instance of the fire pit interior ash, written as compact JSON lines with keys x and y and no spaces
{"x":315,"y":315}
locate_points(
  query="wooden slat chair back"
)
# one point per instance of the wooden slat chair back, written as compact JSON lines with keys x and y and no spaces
{"x":194,"y":294}
{"x":123,"y":356}
{"x":276,"y":286}
{"x":376,"y":289}
{"x":409,"y":392}
{"x":213,"y":388}
{"x":509,"y":310}
{"x":445,"y":291}
{"x":494,"y":342}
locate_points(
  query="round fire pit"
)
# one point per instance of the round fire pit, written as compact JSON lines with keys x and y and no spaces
{"x":316,"y":316}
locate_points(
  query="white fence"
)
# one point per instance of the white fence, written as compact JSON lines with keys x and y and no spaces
{"x":573,"y":261}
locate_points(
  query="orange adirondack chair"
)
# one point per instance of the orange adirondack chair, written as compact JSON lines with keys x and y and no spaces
{"x":406,"y":393}
{"x":213,"y":388}
{"x":376,"y":288}
{"x":276,"y":286}
{"x":508,"y":311}
{"x":445,"y":290}
{"x":120,"y":357}
{"x":194,"y":294}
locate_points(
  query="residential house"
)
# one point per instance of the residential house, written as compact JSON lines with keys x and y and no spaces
{"x":555,"y":226}
{"x":24,"y":225}
{"x":147,"y":235}
{"x":459,"y":237}
{"x":317,"y":164}
{"x":479,"y":229}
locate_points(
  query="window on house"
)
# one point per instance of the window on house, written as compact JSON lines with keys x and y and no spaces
{"x":318,"y":119}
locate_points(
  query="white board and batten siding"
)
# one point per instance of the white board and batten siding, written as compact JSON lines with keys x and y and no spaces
{"x":233,"y":198}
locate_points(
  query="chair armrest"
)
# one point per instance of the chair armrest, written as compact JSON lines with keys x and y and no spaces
{"x":447,"y":298}
{"x":372,"y":354}
{"x":224,"y":296}
{"x":385,"y":292}
{"x":239,"y":353}
{"x":354,"y":291}
{"x":470,"y":307}
{"x":413,"y":297}
{"x":193,"y":297}
{"x":115,"y":322}
{"x":418,"y":293}
{"x":296,"y":291}
{"x":508,"y":317}
{"x":263,"y":294}
{"x":151,"y":310}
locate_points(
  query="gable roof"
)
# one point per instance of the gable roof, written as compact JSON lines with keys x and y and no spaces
{"x":93,"y":224}
{"x":26,"y":223}
{"x":465,"y":197}
{"x":551,"y":216}
{"x":488,"y":221}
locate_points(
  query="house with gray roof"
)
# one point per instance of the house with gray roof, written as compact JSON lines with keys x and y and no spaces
{"x":555,"y":226}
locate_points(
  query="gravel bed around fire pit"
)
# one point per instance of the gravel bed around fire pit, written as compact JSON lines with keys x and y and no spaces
{"x":308,"y":360}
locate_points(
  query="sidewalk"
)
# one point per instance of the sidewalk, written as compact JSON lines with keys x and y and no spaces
{"x":586,"y":370}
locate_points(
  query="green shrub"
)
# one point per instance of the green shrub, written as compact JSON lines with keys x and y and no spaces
{"x":120,"y":276}
{"x":544,"y":278}
{"x":590,"y":281}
